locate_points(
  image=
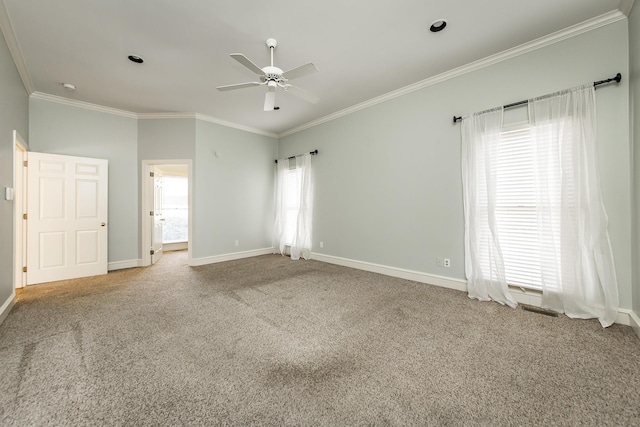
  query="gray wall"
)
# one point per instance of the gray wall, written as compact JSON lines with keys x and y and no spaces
{"x":388,"y":180}
{"x":634,"y":68}
{"x":14,"y":114}
{"x":234,"y":191}
{"x":62,"y":129}
{"x":165,"y":139}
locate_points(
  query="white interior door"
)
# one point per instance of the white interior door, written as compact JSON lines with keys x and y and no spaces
{"x":157,"y":219}
{"x":67,"y":217}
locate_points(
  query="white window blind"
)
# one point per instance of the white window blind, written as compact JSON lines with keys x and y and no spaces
{"x":294,"y":178}
{"x":524,"y":250}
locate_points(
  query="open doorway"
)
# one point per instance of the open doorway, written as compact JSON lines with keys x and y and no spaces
{"x":167,"y":211}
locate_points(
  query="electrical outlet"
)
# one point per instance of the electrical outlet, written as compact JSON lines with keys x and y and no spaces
{"x":237,"y":243}
{"x":440,"y":262}
{"x":321,"y":245}
{"x":447,"y":262}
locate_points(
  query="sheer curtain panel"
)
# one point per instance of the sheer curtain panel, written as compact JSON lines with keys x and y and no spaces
{"x":579,"y":279}
{"x":294,"y":207}
{"x":484,"y":264}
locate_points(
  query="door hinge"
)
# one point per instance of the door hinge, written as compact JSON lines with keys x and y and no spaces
{"x":24,"y":269}
{"x":151,"y":252}
{"x":151,"y":174}
{"x":24,"y":216}
{"x":25,"y":163}
{"x":150,"y":213}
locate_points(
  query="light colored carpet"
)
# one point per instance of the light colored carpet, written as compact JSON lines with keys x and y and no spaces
{"x":270,"y":341}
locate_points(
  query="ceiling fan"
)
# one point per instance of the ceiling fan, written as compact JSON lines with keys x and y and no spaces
{"x":273,"y":77}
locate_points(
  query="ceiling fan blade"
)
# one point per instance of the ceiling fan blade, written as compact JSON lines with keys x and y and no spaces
{"x":301,"y":93}
{"x":270,"y":101}
{"x":300,"y":71}
{"x":238,"y":86}
{"x":247,"y":63}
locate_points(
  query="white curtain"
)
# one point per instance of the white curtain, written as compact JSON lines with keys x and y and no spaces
{"x":484,"y":264}
{"x":294,"y":207}
{"x":578,"y":275}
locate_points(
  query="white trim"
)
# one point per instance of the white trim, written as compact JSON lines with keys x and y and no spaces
{"x":558,"y":36}
{"x":20,"y":148}
{"x":522,"y":296}
{"x":161,"y":116}
{"x":7,"y":306}
{"x":14,"y":49}
{"x":204,"y":118}
{"x":634,"y":322}
{"x":82,"y":104}
{"x":416,"y":276}
{"x":234,"y":125}
{"x":629,"y":318}
{"x":526,"y":296}
{"x":145,"y":237}
{"x":121,"y":265}
{"x":230,"y":257}
{"x":146,"y":116}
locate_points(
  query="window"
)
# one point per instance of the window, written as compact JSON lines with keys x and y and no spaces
{"x":294,"y":177}
{"x":294,"y":207}
{"x":517,"y":212}
{"x":534,"y":215}
{"x":175,"y":209}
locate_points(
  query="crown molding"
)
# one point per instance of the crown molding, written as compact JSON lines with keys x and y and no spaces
{"x":82,"y":104}
{"x":145,"y":116}
{"x":157,"y":116}
{"x":14,"y":48}
{"x":217,"y":121}
{"x":204,"y":118}
{"x":558,"y":36}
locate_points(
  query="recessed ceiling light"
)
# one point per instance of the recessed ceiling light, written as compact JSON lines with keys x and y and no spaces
{"x":136,"y":59}
{"x":438,"y":25}
{"x":69,"y":87}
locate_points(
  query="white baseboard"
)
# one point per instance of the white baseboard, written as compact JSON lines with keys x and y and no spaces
{"x":230,"y":257}
{"x":120,"y":265}
{"x":629,"y":318}
{"x":7,"y":306}
{"x":416,"y":276}
{"x":522,"y":296}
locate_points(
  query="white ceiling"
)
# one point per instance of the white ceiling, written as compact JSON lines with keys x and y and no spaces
{"x":362,"y":48}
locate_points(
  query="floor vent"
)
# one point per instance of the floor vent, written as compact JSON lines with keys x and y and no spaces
{"x":539,"y":310}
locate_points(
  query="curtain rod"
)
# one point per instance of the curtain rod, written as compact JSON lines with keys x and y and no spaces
{"x":617,"y":79}
{"x":313,"y":153}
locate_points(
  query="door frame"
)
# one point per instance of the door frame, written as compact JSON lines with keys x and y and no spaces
{"x":20,"y":149}
{"x":147,"y":186}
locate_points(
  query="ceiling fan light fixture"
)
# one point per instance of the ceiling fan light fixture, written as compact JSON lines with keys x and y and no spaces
{"x":438,"y":25}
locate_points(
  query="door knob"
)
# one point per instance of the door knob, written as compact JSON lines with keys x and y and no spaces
{"x":103,"y":224}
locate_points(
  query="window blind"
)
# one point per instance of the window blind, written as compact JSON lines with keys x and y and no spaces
{"x":294,"y":177}
{"x":524,"y":250}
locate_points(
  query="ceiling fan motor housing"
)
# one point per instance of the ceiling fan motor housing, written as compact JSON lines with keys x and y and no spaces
{"x":272,"y":73}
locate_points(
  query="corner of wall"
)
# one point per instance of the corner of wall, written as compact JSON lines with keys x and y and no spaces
{"x":7,"y":306}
